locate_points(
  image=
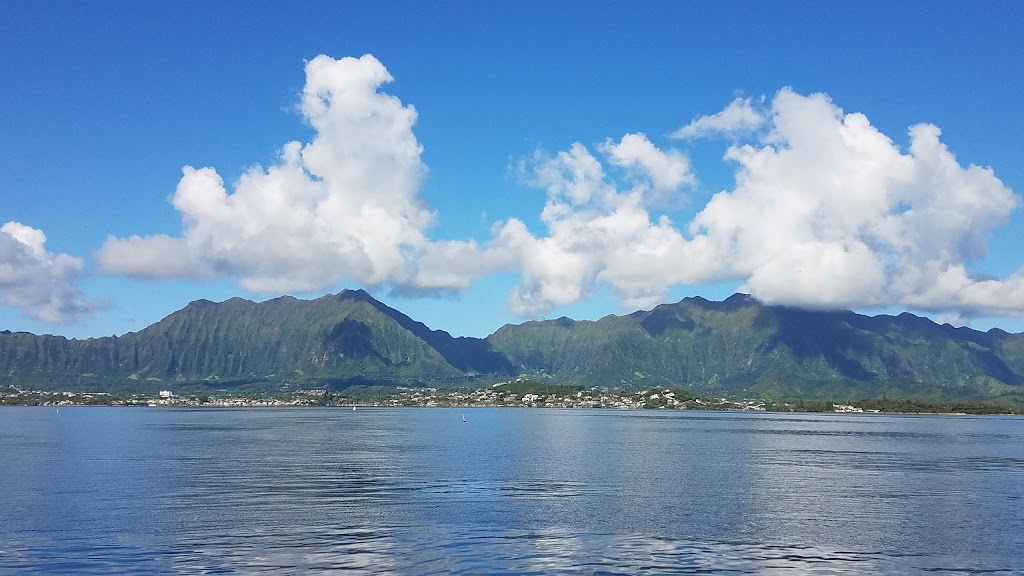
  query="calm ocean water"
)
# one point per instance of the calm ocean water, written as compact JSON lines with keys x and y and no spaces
{"x":510,"y":491}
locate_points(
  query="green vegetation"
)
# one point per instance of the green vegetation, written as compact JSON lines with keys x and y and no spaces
{"x":325,"y":399}
{"x":352,"y":344}
{"x":344,"y":339}
{"x":901,"y":406}
{"x":526,"y":386}
{"x":918,"y":406}
{"x":517,"y":393}
{"x":740,"y":348}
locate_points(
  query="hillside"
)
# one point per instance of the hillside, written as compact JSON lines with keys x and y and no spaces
{"x":742,"y":347}
{"x":348,"y":337}
{"x":738,"y":346}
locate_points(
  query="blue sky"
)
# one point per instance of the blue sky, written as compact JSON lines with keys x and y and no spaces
{"x":555,"y":176}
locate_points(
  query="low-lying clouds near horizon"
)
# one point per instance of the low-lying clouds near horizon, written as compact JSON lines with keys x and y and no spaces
{"x":825,"y":212}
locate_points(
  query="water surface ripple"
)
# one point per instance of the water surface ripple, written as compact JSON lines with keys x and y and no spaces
{"x":509,"y":491}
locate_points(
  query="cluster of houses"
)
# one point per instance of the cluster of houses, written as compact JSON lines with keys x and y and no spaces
{"x":594,"y":398}
{"x":501,"y":394}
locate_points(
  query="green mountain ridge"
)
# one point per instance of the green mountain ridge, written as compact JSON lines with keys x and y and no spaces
{"x":335,"y":338}
{"x":736,"y":347}
{"x":742,"y":347}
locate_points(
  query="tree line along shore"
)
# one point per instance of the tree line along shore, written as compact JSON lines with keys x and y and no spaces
{"x":517,"y":393}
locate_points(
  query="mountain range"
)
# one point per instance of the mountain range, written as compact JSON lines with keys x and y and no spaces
{"x":736,"y":347}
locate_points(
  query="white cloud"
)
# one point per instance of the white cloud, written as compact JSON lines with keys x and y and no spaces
{"x":665,"y":170}
{"x":42,"y":284}
{"x":574,"y":173}
{"x":827,"y":212}
{"x":345,"y":205}
{"x":596,"y":232}
{"x":738,"y":117}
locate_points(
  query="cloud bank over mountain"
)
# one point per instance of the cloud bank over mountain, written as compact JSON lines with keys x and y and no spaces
{"x":828,"y":212}
{"x":825,"y":211}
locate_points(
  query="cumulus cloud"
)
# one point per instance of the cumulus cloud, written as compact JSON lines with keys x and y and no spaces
{"x":345,"y":205}
{"x":596,"y":231}
{"x":42,"y":284}
{"x":666,"y":170}
{"x":826,"y":212}
{"x":738,"y":117}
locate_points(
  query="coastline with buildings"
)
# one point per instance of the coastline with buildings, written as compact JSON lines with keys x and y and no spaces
{"x":394,"y":397}
{"x":512,"y":394}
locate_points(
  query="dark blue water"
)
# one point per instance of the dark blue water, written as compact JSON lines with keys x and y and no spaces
{"x":513,"y":491}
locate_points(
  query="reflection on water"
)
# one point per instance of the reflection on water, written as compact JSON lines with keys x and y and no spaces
{"x":511,"y":491}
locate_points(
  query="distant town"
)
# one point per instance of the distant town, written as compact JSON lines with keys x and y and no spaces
{"x":503,"y":394}
{"x":513,"y":393}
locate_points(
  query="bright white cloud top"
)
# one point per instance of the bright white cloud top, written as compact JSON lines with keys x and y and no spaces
{"x":342,"y":206}
{"x":826,"y":212}
{"x":43,"y":284}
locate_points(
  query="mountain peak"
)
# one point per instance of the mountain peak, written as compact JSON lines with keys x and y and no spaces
{"x":730,"y":304}
{"x":738,"y":301}
{"x":358,"y":294}
{"x":200,"y":303}
{"x":737,"y":345}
